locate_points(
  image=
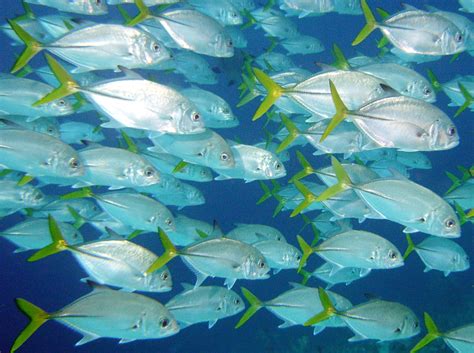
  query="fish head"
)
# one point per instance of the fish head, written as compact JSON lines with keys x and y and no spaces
{"x":193,"y":195}
{"x":255,"y":266}
{"x":409,"y":326}
{"x":292,"y":257}
{"x":32,"y":196}
{"x":421,"y":89}
{"x":95,"y":135}
{"x":65,"y":163}
{"x":47,"y":126}
{"x":443,"y":221}
{"x":231,"y":304}
{"x":231,"y":16}
{"x":223,"y":113}
{"x":88,"y":209}
{"x":149,"y":51}
{"x":223,"y":45}
{"x":387,"y":256}
{"x":200,"y":173}
{"x":143,"y":173}
{"x":217,"y":154}
{"x":452,"y":40}
{"x":160,"y":281}
{"x":159,"y":324}
{"x":59,"y":107}
{"x":170,"y":183}
{"x":272,"y":166}
{"x":94,"y":7}
{"x":165,"y":221}
{"x":189,"y":119}
{"x":443,"y":135}
{"x":71,"y":234}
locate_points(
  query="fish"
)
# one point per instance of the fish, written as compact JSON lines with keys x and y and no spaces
{"x":133,"y":102}
{"x":61,"y":209}
{"x":75,"y":132}
{"x":254,"y":233}
{"x":222,"y":11}
{"x":462,"y":196}
{"x":113,"y":261}
{"x":133,"y":209}
{"x":167,"y":163}
{"x":354,"y":248}
{"x":302,"y":45}
{"x":294,"y":307}
{"x":38,"y":154}
{"x":252,"y":163}
{"x":188,"y":196}
{"x":403,"y":123}
{"x":345,"y":275}
{"x":376,"y":319}
{"x":208,"y":148}
{"x":17,"y":96}
{"x":458,"y":339}
{"x":279,"y":255}
{"x":45,"y":125}
{"x":215,"y":111}
{"x":33,"y":234}
{"x":116,"y":168}
{"x":81,"y":48}
{"x":439,"y":254}
{"x":190,"y":230}
{"x":104,"y":313}
{"x":415,"y":31}
{"x":217,"y":257}
{"x":16,"y":197}
{"x":273,"y":61}
{"x":204,"y":304}
{"x":402,"y":201}
{"x":83,"y":7}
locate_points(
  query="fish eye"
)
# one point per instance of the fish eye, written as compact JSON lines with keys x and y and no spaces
{"x":164,"y":323}
{"x":168,"y":221}
{"x":164,"y":276}
{"x":298,"y":258}
{"x":149,"y":172}
{"x":392,"y":255}
{"x":427,"y":91}
{"x":261,"y":264}
{"x":196,"y":117}
{"x":277,"y":166}
{"x":98,"y":2}
{"x":451,"y":131}
{"x":450,"y":223}
{"x":156,"y":48}
{"x":50,"y":129}
{"x":233,"y":14}
{"x":415,"y":324}
{"x":74,"y":163}
{"x":230,"y":43}
{"x":61,"y":102}
{"x":458,"y":37}
{"x":38,"y":196}
{"x":398,"y":330}
{"x":237,"y":301}
{"x":225,"y":110}
{"x":224,"y":156}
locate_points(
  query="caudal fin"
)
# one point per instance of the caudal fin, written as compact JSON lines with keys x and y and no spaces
{"x":58,"y":244}
{"x":307,"y":168}
{"x":306,"y":249}
{"x":309,"y":198}
{"x":67,"y":85}
{"x":341,"y":111}
{"x":468,"y":100}
{"x":33,"y":46}
{"x":433,"y":333}
{"x":170,"y":253}
{"x":37,"y":318}
{"x":329,"y":309}
{"x":255,"y":305}
{"x":143,"y":14}
{"x":410,"y":248}
{"x":274,"y":90}
{"x":293,"y":133}
{"x":343,"y":182}
{"x":369,"y":26}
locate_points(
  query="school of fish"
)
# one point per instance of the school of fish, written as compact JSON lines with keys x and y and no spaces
{"x":373,"y":116}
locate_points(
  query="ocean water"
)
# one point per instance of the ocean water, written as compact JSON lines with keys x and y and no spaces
{"x":54,"y":281}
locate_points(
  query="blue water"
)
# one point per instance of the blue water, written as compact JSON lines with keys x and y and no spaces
{"x":54,"y":282}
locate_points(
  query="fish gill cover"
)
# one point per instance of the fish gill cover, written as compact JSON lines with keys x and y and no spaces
{"x":170,"y":168}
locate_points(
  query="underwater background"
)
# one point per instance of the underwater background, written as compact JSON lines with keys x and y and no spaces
{"x":54,"y":282}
